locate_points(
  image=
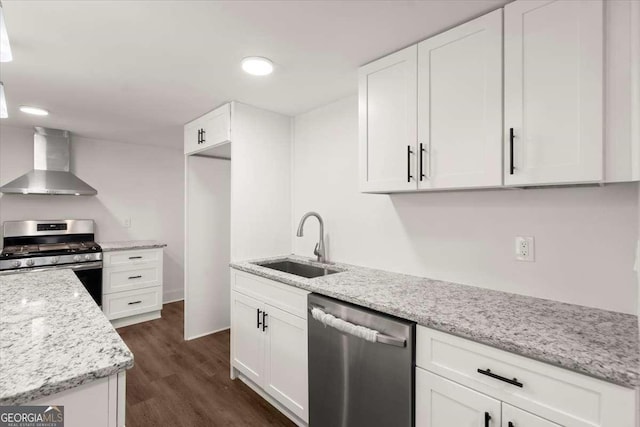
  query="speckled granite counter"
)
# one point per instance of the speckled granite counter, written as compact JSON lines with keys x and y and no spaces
{"x":53,"y":337}
{"x":603,"y":344}
{"x":131,"y":244}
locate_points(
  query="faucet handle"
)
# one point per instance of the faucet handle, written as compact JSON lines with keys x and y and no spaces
{"x":315,"y":250}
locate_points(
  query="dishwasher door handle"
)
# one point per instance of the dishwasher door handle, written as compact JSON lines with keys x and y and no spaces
{"x":347,"y":327}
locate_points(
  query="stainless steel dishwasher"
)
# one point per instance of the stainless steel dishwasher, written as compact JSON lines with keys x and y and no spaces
{"x":354,"y":381}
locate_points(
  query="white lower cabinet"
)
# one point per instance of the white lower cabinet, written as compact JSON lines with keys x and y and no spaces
{"x":514,"y":417}
{"x":132,"y":285}
{"x":99,"y":403}
{"x":248,"y":338}
{"x":269,"y":341}
{"x":286,"y":360}
{"x":462,"y":380}
{"x":443,"y":403}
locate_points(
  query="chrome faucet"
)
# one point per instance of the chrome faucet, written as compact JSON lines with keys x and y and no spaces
{"x":319,"y":249}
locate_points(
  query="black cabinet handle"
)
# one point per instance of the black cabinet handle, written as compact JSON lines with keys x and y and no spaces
{"x":488,"y":373}
{"x":511,"y":424}
{"x":512,"y":166}
{"x":264,"y":321}
{"x":199,"y":135}
{"x":421,"y":161}
{"x":487,"y":419}
{"x":258,"y":312}
{"x":409,"y":153}
{"x":135,"y":257}
{"x":135,"y":277}
{"x":134,"y":302}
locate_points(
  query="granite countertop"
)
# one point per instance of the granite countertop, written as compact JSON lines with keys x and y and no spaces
{"x":130,"y":244}
{"x":599,"y":343}
{"x":53,"y":337}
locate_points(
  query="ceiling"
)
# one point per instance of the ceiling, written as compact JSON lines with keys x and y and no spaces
{"x":136,"y":71}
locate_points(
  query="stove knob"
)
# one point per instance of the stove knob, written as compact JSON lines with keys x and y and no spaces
{"x":15,"y":264}
{"x":76,"y":258}
{"x":30,"y":262}
{"x":87,"y":257}
{"x":54,"y":259}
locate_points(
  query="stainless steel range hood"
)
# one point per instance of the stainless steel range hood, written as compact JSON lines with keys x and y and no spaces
{"x":51,"y":168}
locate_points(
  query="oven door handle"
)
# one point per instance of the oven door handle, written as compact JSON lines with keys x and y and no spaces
{"x":82,"y":266}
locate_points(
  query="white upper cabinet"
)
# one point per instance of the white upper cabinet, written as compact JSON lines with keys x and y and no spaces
{"x":460,"y":106}
{"x":388,"y":128}
{"x":553,"y":82}
{"x":208,"y":131}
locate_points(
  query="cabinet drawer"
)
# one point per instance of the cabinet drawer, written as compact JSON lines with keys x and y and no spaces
{"x":284,"y":297}
{"x":129,"y":303}
{"x":126,"y":278}
{"x":560,"y":395}
{"x":133,"y":257}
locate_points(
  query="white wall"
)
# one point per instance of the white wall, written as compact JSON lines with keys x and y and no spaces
{"x":585,"y":237}
{"x":142,"y":182}
{"x":208,"y":235}
{"x":260,"y":183}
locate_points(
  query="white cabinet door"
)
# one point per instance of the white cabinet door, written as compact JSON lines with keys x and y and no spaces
{"x":388,"y":122}
{"x":286,"y":372}
{"x":553,"y":71}
{"x":443,"y":403}
{"x":460,"y":106}
{"x":514,"y":417}
{"x":214,"y":128}
{"x":192,"y":137}
{"x":217,"y":127}
{"x":248,"y":338}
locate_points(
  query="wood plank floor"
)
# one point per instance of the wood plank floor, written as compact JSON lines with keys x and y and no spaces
{"x":186,"y":383}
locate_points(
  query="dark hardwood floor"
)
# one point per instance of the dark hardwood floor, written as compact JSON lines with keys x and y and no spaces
{"x":186,"y":383}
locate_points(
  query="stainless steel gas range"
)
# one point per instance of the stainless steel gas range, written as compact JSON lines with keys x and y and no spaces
{"x":44,"y":245}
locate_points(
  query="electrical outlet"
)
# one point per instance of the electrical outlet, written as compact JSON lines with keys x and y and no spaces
{"x":126,"y":222}
{"x":525,"y":248}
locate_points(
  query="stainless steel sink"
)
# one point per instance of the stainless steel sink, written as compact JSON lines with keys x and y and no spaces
{"x":299,"y":269}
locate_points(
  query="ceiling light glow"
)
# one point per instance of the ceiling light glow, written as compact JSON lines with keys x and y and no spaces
{"x":3,"y":103}
{"x":5,"y":47}
{"x":34,"y":110}
{"x":257,"y":66}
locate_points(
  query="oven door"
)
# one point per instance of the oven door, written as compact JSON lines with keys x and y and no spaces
{"x":90,"y":274}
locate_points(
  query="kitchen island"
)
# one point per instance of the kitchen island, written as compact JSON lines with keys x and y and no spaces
{"x":54,"y":341}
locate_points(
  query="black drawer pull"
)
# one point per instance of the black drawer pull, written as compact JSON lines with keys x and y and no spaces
{"x":135,"y":257}
{"x":264,"y":321}
{"x":134,"y":302}
{"x":487,"y":419}
{"x":135,"y":277}
{"x":258,"y":311}
{"x":488,"y":373}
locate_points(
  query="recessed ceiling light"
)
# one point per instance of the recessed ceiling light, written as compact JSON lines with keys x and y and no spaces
{"x":257,"y":66}
{"x":34,"y":110}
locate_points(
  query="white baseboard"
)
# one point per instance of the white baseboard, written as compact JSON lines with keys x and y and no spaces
{"x":173,"y":300}
{"x":172,"y":295}
{"x":132,"y":320}
{"x":206,"y":333}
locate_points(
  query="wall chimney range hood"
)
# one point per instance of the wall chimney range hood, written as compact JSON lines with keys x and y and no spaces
{"x":51,"y":168}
